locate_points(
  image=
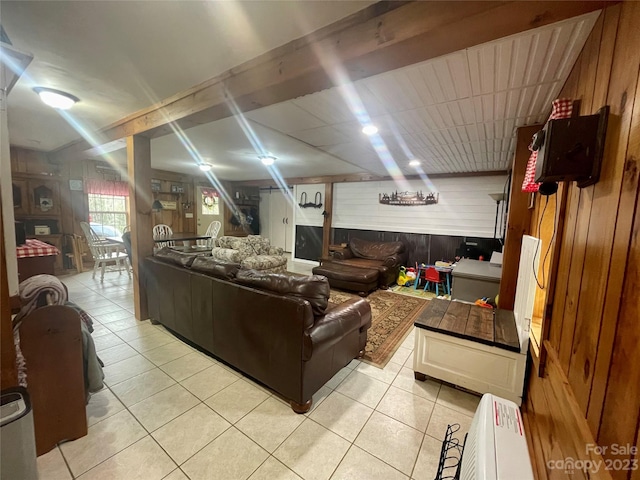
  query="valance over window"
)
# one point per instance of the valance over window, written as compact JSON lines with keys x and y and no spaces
{"x":106,"y":187}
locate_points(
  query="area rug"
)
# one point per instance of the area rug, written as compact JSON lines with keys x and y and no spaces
{"x":419,"y":292}
{"x":392,"y":316}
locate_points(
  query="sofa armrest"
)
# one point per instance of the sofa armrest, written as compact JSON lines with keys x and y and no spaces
{"x":275,"y":251}
{"x":354,"y":314}
{"x":394,"y":260}
{"x":342,"y":254}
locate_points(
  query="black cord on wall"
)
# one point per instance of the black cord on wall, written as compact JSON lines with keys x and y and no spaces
{"x":544,"y":260}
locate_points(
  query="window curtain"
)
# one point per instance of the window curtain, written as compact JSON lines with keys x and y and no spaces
{"x":106,"y":187}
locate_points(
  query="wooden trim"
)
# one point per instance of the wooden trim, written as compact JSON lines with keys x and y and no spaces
{"x":140,"y":198}
{"x":382,"y":37}
{"x":556,"y":250}
{"x":360,"y":177}
{"x":326,"y":224}
{"x":8,"y":370}
{"x":518,"y":220}
{"x":557,"y":429}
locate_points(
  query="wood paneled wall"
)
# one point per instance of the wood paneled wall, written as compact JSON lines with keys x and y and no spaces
{"x":176,"y":219}
{"x":591,"y":382}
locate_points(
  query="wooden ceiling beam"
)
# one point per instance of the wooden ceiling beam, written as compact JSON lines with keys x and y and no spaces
{"x":359,"y":177}
{"x":382,"y":37}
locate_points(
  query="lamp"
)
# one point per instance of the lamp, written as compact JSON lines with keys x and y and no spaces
{"x":267,"y":159}
{"x":156,"y":206}
{"x":56,"y":98}
{"x":497,"y":197}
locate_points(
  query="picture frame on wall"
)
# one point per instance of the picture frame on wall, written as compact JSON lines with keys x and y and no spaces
{"x":155,"y":186}
{"x":177,"y":189}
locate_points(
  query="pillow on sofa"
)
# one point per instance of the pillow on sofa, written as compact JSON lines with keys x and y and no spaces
{"x":168,"y":255}
{"x":314,"y":288}
{"x":210,"y":266}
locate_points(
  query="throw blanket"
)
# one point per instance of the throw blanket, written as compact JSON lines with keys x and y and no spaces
{"x":42,"y":290}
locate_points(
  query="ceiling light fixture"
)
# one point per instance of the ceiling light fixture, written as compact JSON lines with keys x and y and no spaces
{"x":414,"y":163}
{"x":56,"y":98}
{"x":267,"y":159}
{"x":370,"y":129}
{"x":205,"y":167}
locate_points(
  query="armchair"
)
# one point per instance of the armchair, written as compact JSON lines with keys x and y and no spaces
{"x":386,"y":257}
{"x":254,"y":252}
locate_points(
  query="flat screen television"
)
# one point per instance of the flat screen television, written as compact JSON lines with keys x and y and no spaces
{"x":571,"y":149}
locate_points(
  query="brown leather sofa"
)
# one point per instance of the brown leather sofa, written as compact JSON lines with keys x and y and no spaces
{"x":385,"y":257}
{"x":276,"y":328}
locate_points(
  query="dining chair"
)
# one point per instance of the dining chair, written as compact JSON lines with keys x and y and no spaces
{"x":431,"y":275}
{"x":163,"y":231}
{"x":105,"y":253}
{"x":212,"y":233}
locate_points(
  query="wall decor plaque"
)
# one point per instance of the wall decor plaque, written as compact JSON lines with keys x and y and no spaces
{"x":408,"y":199}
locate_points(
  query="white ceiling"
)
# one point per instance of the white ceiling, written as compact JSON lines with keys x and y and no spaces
{"x":456,"y":113}
{"x":121,"y":56}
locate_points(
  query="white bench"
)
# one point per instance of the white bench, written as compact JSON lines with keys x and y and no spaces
{"x":474,"y":347}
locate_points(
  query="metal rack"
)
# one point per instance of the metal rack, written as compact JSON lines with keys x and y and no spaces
{"x":450,"y":455}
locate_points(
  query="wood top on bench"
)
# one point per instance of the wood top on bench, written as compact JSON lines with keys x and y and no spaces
{"x":471,"y":322}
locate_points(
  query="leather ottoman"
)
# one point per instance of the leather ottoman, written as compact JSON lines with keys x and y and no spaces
{"x":361,"y":280}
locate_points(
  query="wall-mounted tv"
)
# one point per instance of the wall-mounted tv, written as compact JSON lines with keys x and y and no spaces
{"x":571,"y":149}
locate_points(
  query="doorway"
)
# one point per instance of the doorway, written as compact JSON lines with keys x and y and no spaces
{"x":209,"y":208}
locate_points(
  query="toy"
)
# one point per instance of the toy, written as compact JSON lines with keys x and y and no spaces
{"x":483,"y":302}
{"x":406,"y":277}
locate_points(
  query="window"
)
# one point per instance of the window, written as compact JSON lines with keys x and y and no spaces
{"x":108,"y":214}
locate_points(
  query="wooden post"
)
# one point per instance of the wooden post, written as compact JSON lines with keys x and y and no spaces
{"x":139,"y":169}
{"x":326,"y":224}
{"x":518,"y":220}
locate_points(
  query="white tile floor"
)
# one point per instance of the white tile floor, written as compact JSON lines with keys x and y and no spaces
{"x":169,"y":411}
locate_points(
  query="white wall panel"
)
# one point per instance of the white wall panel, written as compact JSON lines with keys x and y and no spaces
{"x":464,"y":207}
{"x":309,"y":216}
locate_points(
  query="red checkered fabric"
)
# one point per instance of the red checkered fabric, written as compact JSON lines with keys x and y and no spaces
{"x":562,"y":108}
{"x":36,"y":248}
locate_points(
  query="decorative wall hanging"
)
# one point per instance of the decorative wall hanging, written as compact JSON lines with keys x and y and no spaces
{"x":408,"y":199}
{"x":155,"y":186}
{"x":317,"y":201}
{"x":210,"y":202}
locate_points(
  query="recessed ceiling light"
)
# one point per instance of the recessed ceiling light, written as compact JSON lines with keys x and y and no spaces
{"x":414,"y":163}
{"x":369,"y":129}
{"x":267,"y":159}
{"x":205,"y":167}
{"x":56,"y":98}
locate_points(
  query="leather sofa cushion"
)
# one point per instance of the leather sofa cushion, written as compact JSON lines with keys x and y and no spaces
{"x":313,"y":288}
{"x":214,"y":268}
{"x":168,"y":255}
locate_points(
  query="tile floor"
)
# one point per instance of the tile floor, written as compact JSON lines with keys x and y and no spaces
{"x":171,"y":412}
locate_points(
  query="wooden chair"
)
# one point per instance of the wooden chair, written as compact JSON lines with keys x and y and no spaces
{"x":212,"y":232}
{"x":431,"y":275}
{"x":105,"y":253}
{"x":163,"y":231}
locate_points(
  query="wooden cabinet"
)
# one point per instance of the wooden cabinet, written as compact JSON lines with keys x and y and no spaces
{"x":246,"y":204}
{"x":36,"y":197}
{"x":44,"y":197}
{"x":20,"y":198}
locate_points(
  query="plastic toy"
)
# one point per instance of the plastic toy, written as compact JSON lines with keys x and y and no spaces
{"x":483,"y":302}
{"x":406,"y":277}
